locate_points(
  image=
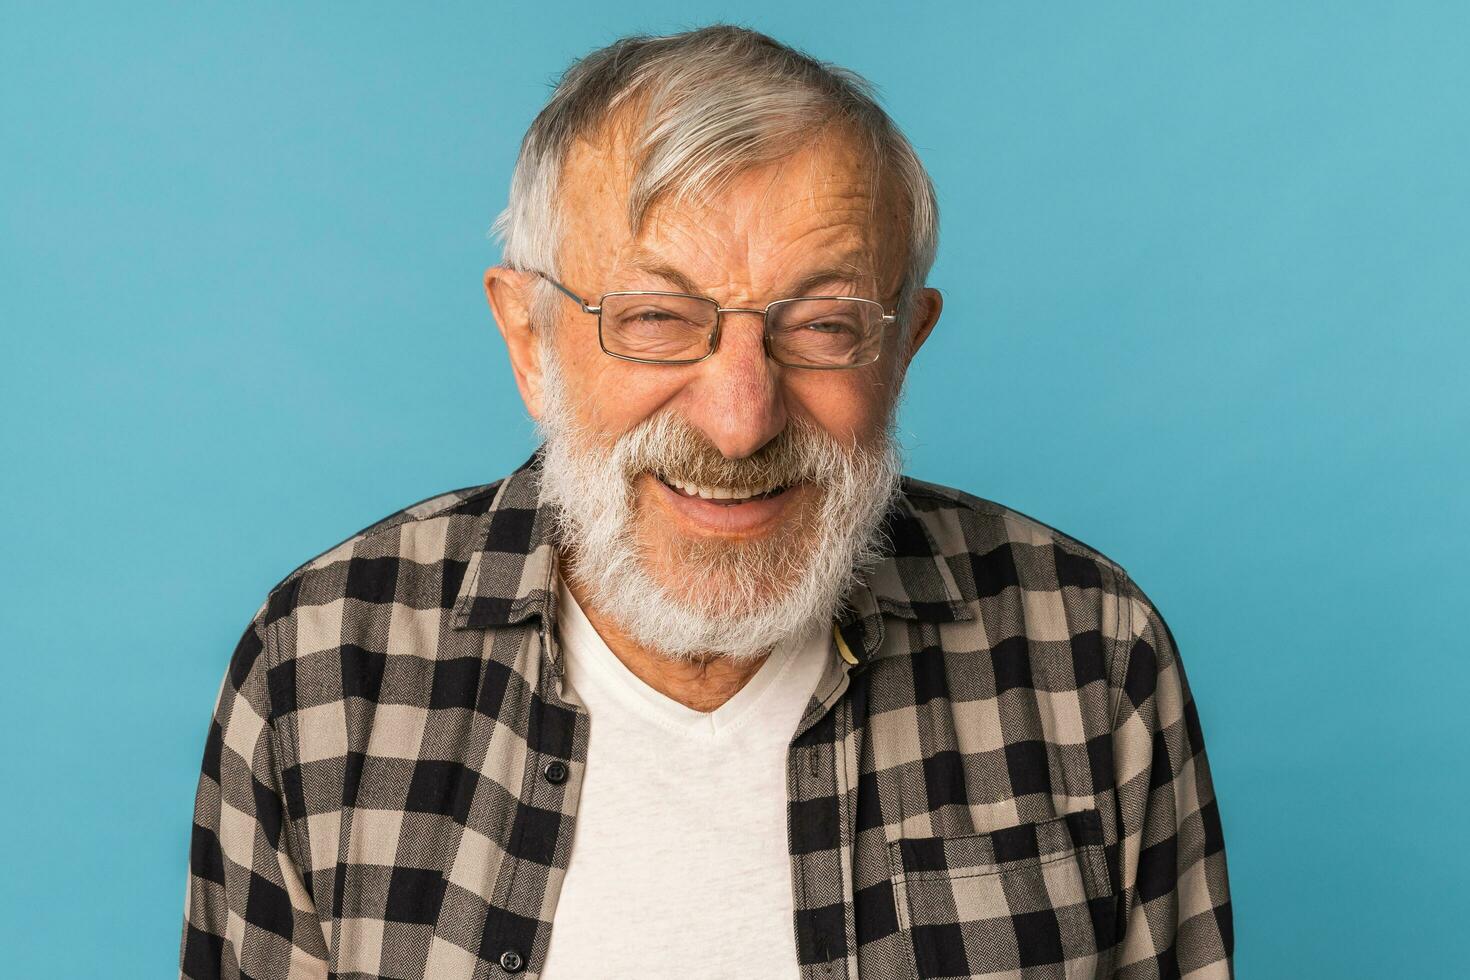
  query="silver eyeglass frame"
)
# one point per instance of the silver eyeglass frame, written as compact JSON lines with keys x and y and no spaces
{"x":886,"y":319}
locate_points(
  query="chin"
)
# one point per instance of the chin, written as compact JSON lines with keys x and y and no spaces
{"x":721,"y":575}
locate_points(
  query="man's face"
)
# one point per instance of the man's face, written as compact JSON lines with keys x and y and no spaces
{"x":813,"y":214}
{"x":770,"y":231}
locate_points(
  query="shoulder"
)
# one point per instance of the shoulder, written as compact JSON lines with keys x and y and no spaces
{"x":998,"y":537}
{"x":1046,"y":585}
{"x":437,"y":531}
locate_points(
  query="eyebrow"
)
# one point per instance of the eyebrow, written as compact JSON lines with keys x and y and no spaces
{"x":847,"y":268}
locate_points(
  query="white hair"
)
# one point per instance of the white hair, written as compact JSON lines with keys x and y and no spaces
{"x":715,"y":102}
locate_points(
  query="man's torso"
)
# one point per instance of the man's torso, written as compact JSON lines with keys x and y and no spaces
{"x":954,"y":803}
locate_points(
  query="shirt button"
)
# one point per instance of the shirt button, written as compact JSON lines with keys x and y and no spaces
{"x":511,"y":962}
{"x":555,"y":771}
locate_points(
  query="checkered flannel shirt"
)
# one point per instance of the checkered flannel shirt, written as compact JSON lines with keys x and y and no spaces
{"x":1000,"y":774}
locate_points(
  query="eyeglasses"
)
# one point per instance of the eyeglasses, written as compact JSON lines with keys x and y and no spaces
{"x":652,"y":327}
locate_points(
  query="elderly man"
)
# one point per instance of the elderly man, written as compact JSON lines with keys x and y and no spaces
{"x":706,"y":689}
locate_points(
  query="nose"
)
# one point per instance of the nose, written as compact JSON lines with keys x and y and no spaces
{"x":736,"y":398}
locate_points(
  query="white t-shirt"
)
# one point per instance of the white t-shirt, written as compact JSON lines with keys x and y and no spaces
{"x":680,"y":865}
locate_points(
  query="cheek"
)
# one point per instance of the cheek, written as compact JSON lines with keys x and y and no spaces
{"x":614,"y":396}
{"x":847,"y":404}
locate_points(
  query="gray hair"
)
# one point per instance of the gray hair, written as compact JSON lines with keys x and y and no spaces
{"x":717,"y":101}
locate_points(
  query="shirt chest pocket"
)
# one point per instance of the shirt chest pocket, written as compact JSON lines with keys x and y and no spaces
{"x":1032,"y":897}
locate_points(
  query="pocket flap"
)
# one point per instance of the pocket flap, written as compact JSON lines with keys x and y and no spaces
{"x":998,"y":849}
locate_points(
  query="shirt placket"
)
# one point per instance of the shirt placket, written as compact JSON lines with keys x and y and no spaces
{"x":556,"y":762}
{"x":822,"y":776}
{"x":519,"y":902}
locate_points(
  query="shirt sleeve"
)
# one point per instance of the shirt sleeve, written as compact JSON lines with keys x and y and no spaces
{"x":248,"y":910}
{"x":1176,"y":893}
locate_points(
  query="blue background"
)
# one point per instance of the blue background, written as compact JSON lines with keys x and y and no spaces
{"x":1206,"y":285}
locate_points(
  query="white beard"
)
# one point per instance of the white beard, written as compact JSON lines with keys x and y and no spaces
{"x":733,"y":599}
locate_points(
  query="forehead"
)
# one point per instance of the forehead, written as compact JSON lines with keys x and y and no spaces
{"x":821,"y":201}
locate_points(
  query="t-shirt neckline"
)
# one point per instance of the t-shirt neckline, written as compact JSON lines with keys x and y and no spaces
{"x":589,"y":652}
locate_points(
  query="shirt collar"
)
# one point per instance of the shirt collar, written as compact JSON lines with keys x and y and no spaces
{"x":508,"y":578}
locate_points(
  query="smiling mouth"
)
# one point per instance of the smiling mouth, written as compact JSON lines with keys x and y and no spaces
{"x":727,"y":496}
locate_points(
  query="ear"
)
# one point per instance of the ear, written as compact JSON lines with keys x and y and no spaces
{"x":928,"y":304}
{"x":509,"y":294}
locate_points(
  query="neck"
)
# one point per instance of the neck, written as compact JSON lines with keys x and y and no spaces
{"x":701,"y":683}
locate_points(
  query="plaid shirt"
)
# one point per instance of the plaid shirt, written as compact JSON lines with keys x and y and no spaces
{"x":1000,"y":774}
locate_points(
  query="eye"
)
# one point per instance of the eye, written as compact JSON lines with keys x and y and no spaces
{"x":654,"y":316}
{"x":828,"y":326}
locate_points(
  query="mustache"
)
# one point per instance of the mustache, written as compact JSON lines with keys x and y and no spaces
{"x":673,"y":448}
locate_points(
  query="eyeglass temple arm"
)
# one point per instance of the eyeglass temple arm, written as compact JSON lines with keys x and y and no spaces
{"x":567,"y":292}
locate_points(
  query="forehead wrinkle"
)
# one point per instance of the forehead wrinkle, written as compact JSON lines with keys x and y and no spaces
{"x":686,"y":241}
{"x":825,"y":195}
{"x":851,"y":266}
{"x":721,"y":238}
{"x":642,"y":259}
{"x":833,"y":186}
{"x":839,"y":181}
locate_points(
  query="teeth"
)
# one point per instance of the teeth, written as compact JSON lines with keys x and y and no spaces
{"x":718,"y":493}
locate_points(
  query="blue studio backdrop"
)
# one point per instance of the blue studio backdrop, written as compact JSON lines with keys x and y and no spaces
{"x":1205,"y":270}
